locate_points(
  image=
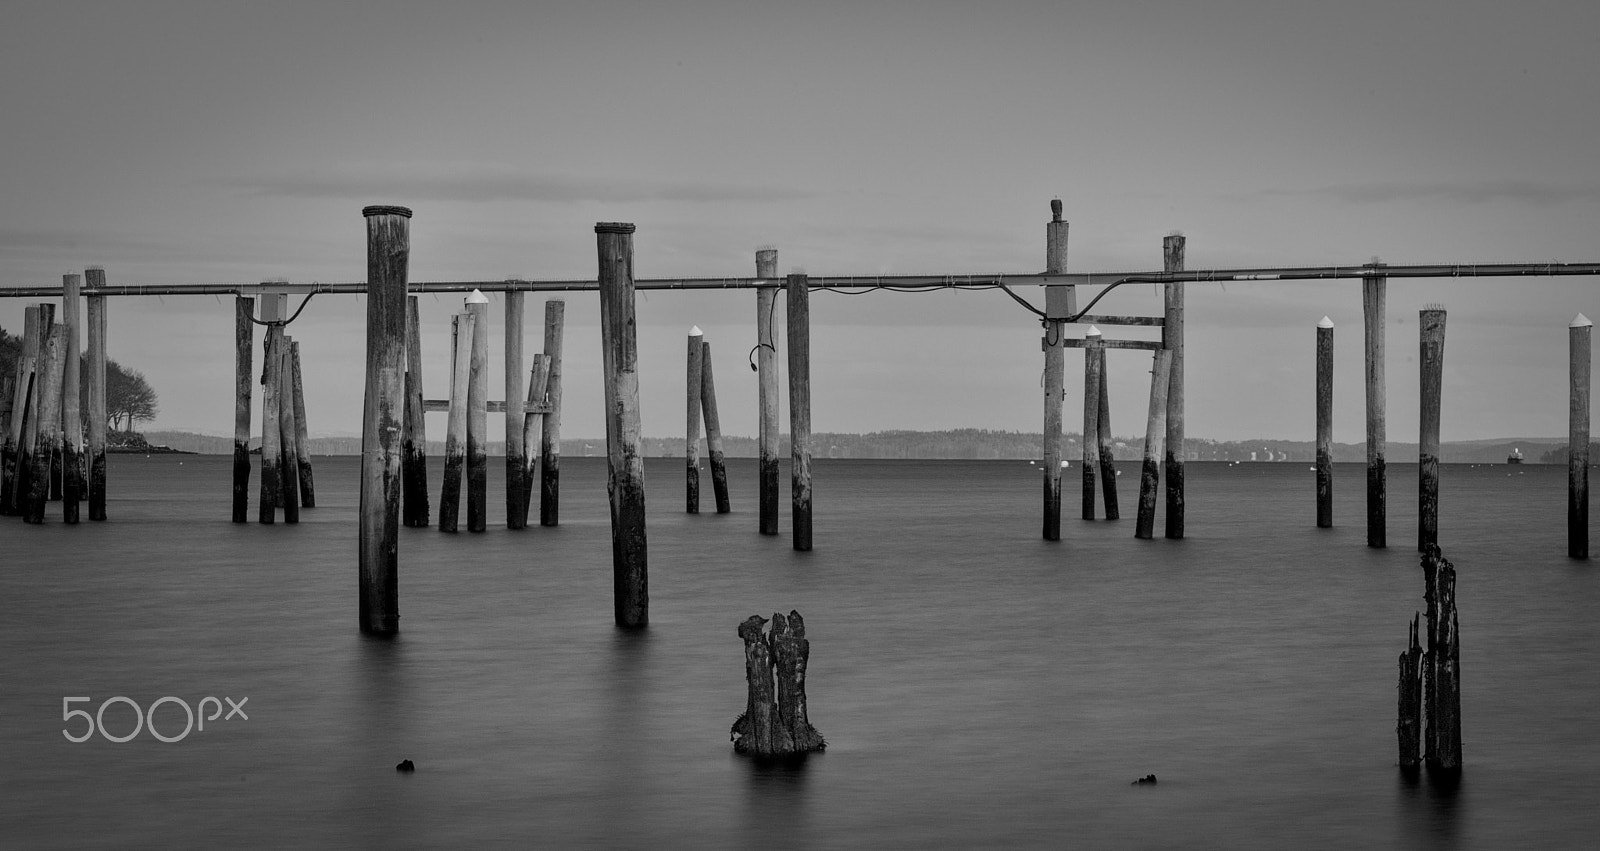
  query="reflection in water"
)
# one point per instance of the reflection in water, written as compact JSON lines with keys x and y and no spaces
{"x":1430,"y":809}
{"x":776,"y":797}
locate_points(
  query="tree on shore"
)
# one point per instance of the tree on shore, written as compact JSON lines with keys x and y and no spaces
{"x":129,"y":398}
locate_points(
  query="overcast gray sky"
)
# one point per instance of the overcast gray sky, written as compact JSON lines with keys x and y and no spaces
{"x":236,"y":142}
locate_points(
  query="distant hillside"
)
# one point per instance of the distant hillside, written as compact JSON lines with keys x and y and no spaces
{"x":969,"y":443}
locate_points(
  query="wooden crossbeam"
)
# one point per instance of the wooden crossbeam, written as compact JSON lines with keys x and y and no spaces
{"x":495,"y":407}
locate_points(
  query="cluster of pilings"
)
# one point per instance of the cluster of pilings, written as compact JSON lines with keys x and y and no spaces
{"x":775,"y":722}
{"x":1430,"y":680}
{"x":286,"y":473}
{"x":42,"y":419}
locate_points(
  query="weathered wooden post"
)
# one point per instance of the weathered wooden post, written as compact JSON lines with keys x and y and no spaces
{"x":1431,"y":331}
{"x":455,"y":440}
{"x":1108,"y":461}
{"x":244,"y":308}
{"x":1325,"y":423}
{"x":52,"y":362}
{"x":95,"y":277}
{"x":536,"y":408}
{"x":71,"y":406}
{"x":1578,"y":351}
{"x":36,"y":327}
{"x":516,"y":450}
{"x":767,"y":392}
{"x":478,"y":416}
{"x":1155,"y":434}
{"x":708,"y":401}
{"x":1059,"y":300}
{"x":289,"y":455}
{"x":271,"y":401}
{"x":691,"y":444}
{"x":302,"y":436}
{"x":1442,"y":678}
{"x":388,"y":253}
{"x":16,"y":402}
{"x":799,"y":326}
{"x":1408,"y":726}
{"x":775,"y":721}
{"x":1374,"y":285}
{"x":629,"y":552}
{"x":550,"y":436}
{"x":414,"y":437}
{"x":1172,"y":249}
{"x":1091,"y":419}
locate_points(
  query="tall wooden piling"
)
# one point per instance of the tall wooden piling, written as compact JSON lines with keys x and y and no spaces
{"x":302,"y":435}
{"x":1373,"y":291}
{"x":1108,"y":461}
{"x":455,"y":439}
{"x":26,"y":420}
{"x":388,"y":253}
{"x":516,"y":449}
{"x":478,"y":416}
{"x":1172,"y":250}
{"x":95,"y":277}
{"x":708,"y":402}
{"x":271,"y":401}
{"x":767,"y":392}
{"x":1155,"y":436}
{"x":72,"y":484}
{"x":691,"y":443}
{"x":1431,"y":331}
{"x":536,"y":408}
{"x":1091,"y":419}
{"x":1442,"y":677}
{"x":414,"y":436}
{"x":619,"y":344}
{"x":1055,"y":262}
{"x":1325,"y":423}
{"x":1578,"y":365}
{"x":799,"y":326}
{"x":243,"y":381}
{"x":550,"y":436}
{"x":52,"y":362}
{"x":16,"y":403}
{"x":288,"y":435}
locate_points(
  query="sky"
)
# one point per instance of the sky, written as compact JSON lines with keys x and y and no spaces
{"x":224,"y":142}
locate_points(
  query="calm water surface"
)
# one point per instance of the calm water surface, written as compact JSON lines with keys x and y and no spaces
{"x":978,"y":687}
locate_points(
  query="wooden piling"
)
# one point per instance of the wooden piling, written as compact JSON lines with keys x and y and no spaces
{"x":536,"y":408}
{"x":767,"y":392}
{"x":775,"y":722}
{"x":26,"y":429}
{"x":1431,"y":322}
{"x":16,"y":392}
{"x":388,"y":252}
{"x":708,"y":402}
{"x":1055,"y":262}
{"x":288,"y":435}
{"x":478,"y":416}
{"x":271,"y":435}
{"x":516,"y":449}
{"x":1108,"y":461}
{"x":455,"y":440}
{"x":625,"y":463}
{"x":1442,"y":739}
{"x":243,"y":379}
{"x":8,"y":385}
{"x":1155,"y":435}
{"x":1172,"y":252}
{"x":799,"y":327}
{"x":302,"y":435}
{"x":1408,"y":726}
{"x":52,"y":362}
{"x":1091,"y":419}
{"x":95,"y":277}
{"x":72,"y":483}
{"x":691,"y":444}
{"x":1325,"y":423}
{"x":550,"y":436}
{"x":414,"y":436}
{"x":1578,"y":365}
{"x":1373,"y":293}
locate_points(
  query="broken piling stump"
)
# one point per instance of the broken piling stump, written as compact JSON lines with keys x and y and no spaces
{"x":1408,"y":727}
{"x":775,"y":721}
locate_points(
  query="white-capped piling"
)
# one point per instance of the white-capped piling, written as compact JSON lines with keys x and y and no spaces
{"x":1325,"y":423}
{"x":1578,"y":355}
{"x":388,"y":254}
{"x":625,"y":462}
{"x":478,"y":416}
